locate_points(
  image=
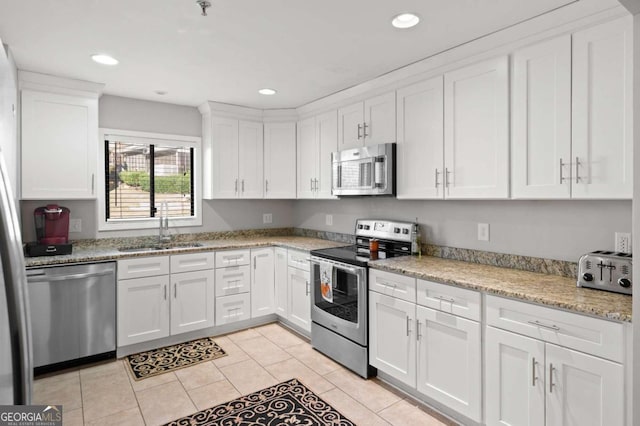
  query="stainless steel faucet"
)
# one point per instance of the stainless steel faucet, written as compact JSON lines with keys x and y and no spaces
{"x":163,"y":235}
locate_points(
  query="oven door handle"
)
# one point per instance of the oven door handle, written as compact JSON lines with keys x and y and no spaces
{"x":335,"y":265}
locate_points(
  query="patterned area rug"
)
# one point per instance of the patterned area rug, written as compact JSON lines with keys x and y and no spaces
{"x":170,"y":358}
{"x":289,"y":403}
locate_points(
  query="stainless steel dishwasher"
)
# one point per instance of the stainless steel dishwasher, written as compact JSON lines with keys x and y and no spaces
{"x":73,"y":314}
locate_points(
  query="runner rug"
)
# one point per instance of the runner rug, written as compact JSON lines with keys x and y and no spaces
{"x":288,"y":403}
{"x":174,"y":357}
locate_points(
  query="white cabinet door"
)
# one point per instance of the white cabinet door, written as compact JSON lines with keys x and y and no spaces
{"x":307,"y":155}
{"x":420,"y":149}
{"x":280,"y":160}
{"x":224,"y":158}
{"x":327,"y":137}
{"x":380,"y":119}
{"x":541,"y":119}
{"x":449,"y":362}
{"x":143,"y":309}
{"x":476,"y":130}
{"x":262,"y":282}
{"x":602,"y":138}
{"x":299,"y":298}
{"x":250,"y":160}
{"x":192,"y":301}
{"x":392,"y":339}
{"x":59,"y":146}
{"x":234,"y":308}
{"x":351,"y":126}
{"x":584,"y":390}
{"x":514,"y":379}
{"x":280,"y":275}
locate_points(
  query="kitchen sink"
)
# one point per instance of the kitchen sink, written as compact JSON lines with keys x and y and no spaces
{"x":134,"y":249}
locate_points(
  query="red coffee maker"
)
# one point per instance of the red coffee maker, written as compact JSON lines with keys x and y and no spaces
{"x":52,"y":231}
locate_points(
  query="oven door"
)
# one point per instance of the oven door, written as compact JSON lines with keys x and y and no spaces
{"x":341,"y":306}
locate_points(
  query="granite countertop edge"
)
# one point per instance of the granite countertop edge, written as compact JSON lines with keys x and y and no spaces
{"x":545,"y":293}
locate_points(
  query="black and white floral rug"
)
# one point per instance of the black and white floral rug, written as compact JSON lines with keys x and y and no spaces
{"x":288,"y":403}
{"x":174,"y":357}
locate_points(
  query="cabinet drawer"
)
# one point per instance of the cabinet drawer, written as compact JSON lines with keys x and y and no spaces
{"x":192,"y":262}
{"x":299,"y":259}
{"x":586,"y":334}
{"x":446,"y":298}
{"x":400,"y":286}
{"x":232,"y":258}
{"x":233,"y":308}
{"x":233,"y":280}
{"x":143,"y":267}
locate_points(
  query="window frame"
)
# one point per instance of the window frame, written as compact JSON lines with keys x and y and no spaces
{"x":151,"y":222}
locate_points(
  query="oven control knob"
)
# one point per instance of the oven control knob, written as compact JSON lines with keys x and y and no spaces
{"x":396,"y":230}
{"x":624,"y":282}
{"x":360,"y":226}
{"x":405,"y":231}
{"x":366,"y":227}
{"x":587,"y":277}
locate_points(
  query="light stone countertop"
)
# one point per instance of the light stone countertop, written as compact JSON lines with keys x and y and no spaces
{"x":550,"y":290}
{"x":100,"y":253}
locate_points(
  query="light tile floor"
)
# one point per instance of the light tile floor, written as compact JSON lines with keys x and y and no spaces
{"x":107,"y":394}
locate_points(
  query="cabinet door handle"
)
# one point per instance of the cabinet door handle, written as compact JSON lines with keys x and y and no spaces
{"x":236,"y":185}
{"x":243,"y":186}
{"x":175,"y":290}
{"x":308,"y":290}
{"x":93,"y":181}
{"x":562,"y":178}
{"x":364,"y":133}
{"x":254,"y":262}
{"x":446,"y":177}
{"x":418,"y":336}
{"x":316,"y":184}
{"x":551,"y":378}
{"x":408,"y":329}
{"x":359,"y":128}
{"x":311,"y":184}
{"x":266,"y":185}
{"x":577,"y":170}
{"x":533,"y":372}
{"x":437,"y":173}
{"x":165,"y":292}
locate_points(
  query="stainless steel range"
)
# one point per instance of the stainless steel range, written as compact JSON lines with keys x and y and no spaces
{"x":339,"y":302}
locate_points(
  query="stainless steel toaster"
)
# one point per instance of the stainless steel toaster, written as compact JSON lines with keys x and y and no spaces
{"x":606,"y":270}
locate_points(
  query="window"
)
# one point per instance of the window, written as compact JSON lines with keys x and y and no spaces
{"x":142,"y":172}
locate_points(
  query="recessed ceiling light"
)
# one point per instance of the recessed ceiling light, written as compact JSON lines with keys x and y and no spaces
{"x":267,"y":92}
{"x":104,"y":59}
{"x":405,"y":20}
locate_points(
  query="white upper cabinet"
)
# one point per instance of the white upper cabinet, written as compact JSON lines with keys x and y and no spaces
{"x":280,"y":160}
{"x":367,"y":123}
{"x":476,"y":131}
{"x":541,"y":119}
{"x":602,"y":138}
{"x":250,"y":160}
{"x":59,"y":146}
{"x":317,"y":139}
{"x":420,"y":149}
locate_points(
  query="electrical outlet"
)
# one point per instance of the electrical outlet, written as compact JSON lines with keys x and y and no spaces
{"x":267,"y":218}
{"x":329,"y":220}
{"x":75,"y":225}
{"x":623,"y":242}
{"x":483,"y":232}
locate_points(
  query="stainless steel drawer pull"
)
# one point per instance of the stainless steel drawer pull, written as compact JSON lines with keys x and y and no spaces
{"x":562,"y":178}
{"x":533,"y":372}
{"x":408,"y":321}
{"x":437,"y":173}
{"x":175,"y":290}
{"x":539,"y":324}
{"x":236,"y":186}
{"x":551,"y":378}
{"x":577,"y":170}
{"x":445,"y":299}
{"x":308,"y":285}
{"x":418,"y":336}
{"x":359,"y":128}
{"x":165,"y":292}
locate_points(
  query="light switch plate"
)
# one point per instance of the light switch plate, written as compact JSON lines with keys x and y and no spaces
{"x":483,"y":232}
{"x":623,"y":242}
{"x":75,"y":225}
{"x":267,"y":218}
{"x":329,"y":219}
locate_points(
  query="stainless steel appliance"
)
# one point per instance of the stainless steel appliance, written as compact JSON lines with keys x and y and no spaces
{"x":339,"y":294}
{"x":369,"y":170}
{"x":52,"y":231}
{"x":73,"y":314}
{"x":606,"y":270}
{"x":16,"y":369}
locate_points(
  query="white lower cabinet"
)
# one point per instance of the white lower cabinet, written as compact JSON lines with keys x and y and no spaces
{"x":234,"y":308}
{"x":233,"y":286}
{"x":162,"y":304}
{"x":299,"y":298}
{"x":449,"y":361}
{"x":280,"y":281}
{"x":262,"y":282}
{"x":392,"y":339}
{"x":143,"y":309}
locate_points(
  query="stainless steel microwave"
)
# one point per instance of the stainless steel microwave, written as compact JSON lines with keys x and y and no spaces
{"x":369,"y":170}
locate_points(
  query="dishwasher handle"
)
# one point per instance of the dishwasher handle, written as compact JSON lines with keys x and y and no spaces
{"x":45,"y":278}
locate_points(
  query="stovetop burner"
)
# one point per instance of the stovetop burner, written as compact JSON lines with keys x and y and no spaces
{"x":351,"y":255}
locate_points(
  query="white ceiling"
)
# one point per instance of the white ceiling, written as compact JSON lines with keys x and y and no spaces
{"x":306,"y":49}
